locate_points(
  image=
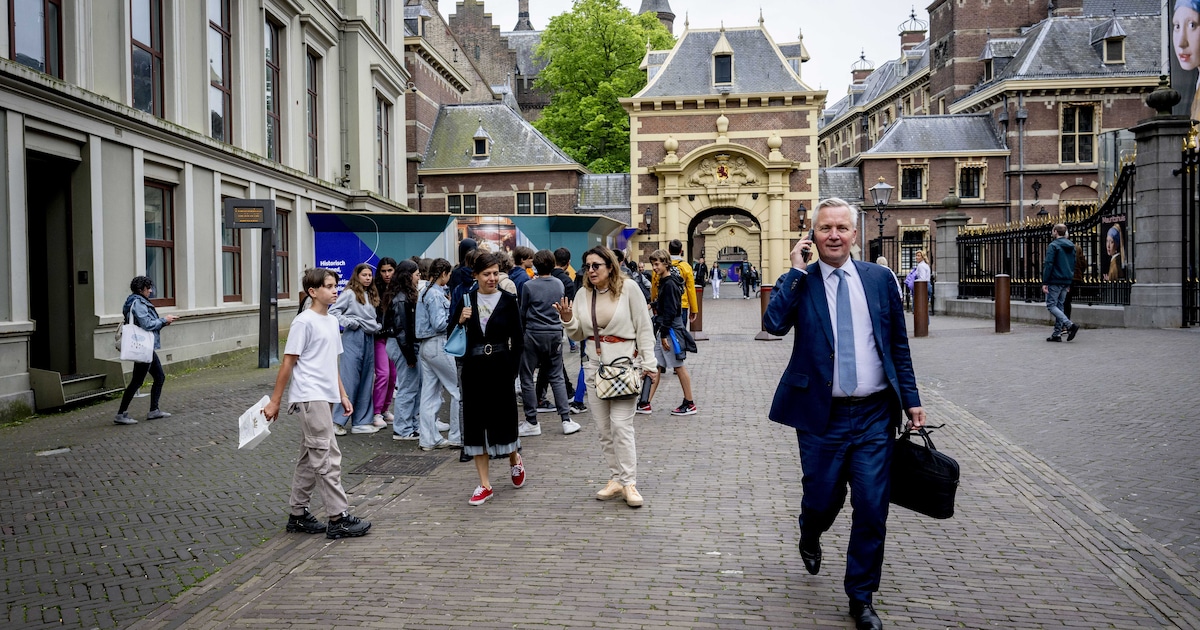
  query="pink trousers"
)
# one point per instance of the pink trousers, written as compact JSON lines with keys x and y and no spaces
{"x":385,"y":377}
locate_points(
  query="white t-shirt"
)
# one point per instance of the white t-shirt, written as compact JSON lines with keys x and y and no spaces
{"x":487,"y":304}
{"x":315,"y":339}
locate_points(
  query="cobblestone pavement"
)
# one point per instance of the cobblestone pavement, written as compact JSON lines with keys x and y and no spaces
{"x":1057,"y":525}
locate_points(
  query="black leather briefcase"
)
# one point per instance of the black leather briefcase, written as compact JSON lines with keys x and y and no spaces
{"x":924,"y":479}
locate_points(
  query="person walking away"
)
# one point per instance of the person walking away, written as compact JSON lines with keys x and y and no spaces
{"x":849,"y":377}
{"x":522,"y":258}
{"x":355,"y":313}
{"x":385,"y":366}
{"x":438,"y":371}
{"x":494,"y":348}
{"x":145,"y":317}
{"x":542,"y":345}
{"x":673,"y":340}
{"x":461,"y":277}
{"x":611,"y":307}
{"x":1057,"y":273}
{"x":744,"y":280}
{"x":310,"y":362}
{"x":400,"y":329}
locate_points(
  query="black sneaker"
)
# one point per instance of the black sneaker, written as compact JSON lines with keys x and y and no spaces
{"x":305,"y":524}
{"x":1054,"y":338}
{"x":1071,"y":332}
{"x":347,"y":527}
{"x":577,"y":407}
{"x":544,"y":406}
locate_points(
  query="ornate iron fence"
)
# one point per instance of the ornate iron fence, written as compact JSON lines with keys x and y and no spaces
{"x":1191,"y":235}
{"x":1101,"y":235}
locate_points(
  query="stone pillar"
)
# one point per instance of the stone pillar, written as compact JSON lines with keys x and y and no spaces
{"x":775,"y":254}
{"x":1156,"y":299}
{"x":669,"y":228}
{"x":946,"y":258}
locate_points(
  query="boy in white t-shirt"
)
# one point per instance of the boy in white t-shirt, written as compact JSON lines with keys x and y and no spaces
{"x":310,"y":361}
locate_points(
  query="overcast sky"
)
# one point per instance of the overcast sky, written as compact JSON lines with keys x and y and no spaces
{"x":834,"y":30}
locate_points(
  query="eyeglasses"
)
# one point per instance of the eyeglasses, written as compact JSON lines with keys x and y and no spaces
{"x":594,"y":266}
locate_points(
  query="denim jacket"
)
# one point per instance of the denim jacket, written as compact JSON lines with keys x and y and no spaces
{"x":433,"y":312}
{"x":144,"y":315}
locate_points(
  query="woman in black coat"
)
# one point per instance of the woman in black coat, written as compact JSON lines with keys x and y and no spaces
{"x":494,"y":347}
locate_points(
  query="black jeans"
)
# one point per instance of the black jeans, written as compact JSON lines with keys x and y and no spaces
{"x":154,"y":368}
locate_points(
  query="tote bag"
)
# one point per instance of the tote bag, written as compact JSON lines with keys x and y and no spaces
{"x":456,"y":344}
{"x":619,"y":378}
{"x":137,"y":345}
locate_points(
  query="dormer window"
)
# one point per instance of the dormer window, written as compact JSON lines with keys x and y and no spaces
{"x":722,"y":63}
{"x":723,"y":69}
{"x":482,"y":143}
{"x":1114,"y":50}
{"x":987,"y":70}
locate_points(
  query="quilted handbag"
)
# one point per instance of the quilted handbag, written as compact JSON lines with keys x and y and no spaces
{"x":924,"y":479}
{"x":456,"y":343}
{"x":619,"y":378}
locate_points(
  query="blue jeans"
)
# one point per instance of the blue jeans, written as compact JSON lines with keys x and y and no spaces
{"x":407,"y":403}
{"x":1056,"y":294}
{"x":438,"y":371}
{"x":357,"y":367}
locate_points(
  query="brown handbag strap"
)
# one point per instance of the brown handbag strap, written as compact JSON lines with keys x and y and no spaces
{"x":595,"y":323}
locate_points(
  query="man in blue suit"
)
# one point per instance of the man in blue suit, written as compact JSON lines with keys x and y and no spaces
{"x":849,"y":377}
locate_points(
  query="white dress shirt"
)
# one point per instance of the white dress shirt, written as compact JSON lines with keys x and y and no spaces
{"x":867,"y":364}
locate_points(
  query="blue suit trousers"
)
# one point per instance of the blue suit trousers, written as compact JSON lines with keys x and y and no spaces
{"x":855,"y":451}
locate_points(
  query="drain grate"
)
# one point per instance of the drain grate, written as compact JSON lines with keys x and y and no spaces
{"x":406,"y":465}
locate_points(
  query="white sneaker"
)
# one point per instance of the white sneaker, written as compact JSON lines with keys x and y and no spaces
{"x":339,"y":429}
{"x":378,"y":421}
{"x":527,"y":430}
{"x":442,"y":426}
{"x":364,"y":428}
{"x":389,"y":417}
{"x":443,"y":443}
{"x":570,"y":426}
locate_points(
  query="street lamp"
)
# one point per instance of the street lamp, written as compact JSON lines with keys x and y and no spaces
{"x":420,"y":194}
{"x":649,"y":216}
{"x":881,"y":194}
{"x":801,"y":216}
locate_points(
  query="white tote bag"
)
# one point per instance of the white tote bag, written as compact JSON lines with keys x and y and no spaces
{"x":252,"y":426}
{"x":137,"y":345}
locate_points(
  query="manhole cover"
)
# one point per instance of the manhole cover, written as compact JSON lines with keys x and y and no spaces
{"x":408,"y":465}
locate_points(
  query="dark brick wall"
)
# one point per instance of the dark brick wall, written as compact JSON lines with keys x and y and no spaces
{"x":481,"y":41}
{"x":496,"y":195}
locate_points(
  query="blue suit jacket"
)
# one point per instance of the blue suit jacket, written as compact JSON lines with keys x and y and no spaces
{"x":805,"y":393}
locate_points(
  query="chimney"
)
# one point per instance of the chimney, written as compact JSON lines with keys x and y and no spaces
{"x":912,"y":32}
{"x":861,"y":69}
{"x":523,"y":23}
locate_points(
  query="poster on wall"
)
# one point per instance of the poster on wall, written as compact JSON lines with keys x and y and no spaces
{"x":1183,"y":44}
{"x":497,"y":234}
{"x":1114,"y":264}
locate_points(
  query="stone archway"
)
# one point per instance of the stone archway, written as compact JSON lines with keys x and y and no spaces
{"x":732,"y":178}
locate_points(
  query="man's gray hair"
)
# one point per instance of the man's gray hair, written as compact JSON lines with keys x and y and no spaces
{"x":837,"y":202}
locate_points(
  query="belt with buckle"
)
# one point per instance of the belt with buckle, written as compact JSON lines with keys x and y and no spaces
{"x":488,"y":349}
{"x":612,"y":339}
{"x":860,"y":400}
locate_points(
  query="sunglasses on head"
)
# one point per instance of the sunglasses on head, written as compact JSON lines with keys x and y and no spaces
{"x":594,"y":266}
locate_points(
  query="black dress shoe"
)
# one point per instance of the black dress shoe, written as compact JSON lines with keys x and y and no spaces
{"x":463,"y":457}
{"x":812,"y":559}
{"x":864,"y":616}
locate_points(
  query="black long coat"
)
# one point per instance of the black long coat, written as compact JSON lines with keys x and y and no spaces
{"x":489,"y":399}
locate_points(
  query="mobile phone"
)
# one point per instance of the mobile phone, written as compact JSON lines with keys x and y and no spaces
{"x":805,"y":250}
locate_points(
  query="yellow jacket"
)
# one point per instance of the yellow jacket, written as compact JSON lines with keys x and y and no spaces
{"x":689,"y":284}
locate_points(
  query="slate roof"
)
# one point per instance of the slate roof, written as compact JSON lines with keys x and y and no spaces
{"x":945,"y":133}
{"x":604,"y":191}
{"x":656,"y":6}
{"x":888,"y":75}
{"x":526,"y":43}
{"x":514,"y":141}
{"x":758,"y":66}
{"x":1104,"y":8}
{"x":842,"y":182}
{"x":1061,"y":47}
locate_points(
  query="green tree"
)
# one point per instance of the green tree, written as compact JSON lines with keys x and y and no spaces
{"x":594,"y":53}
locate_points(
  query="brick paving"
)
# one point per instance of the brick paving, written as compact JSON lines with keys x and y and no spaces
{"x":1062,"y":520}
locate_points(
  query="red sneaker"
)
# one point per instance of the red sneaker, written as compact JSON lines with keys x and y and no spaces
{"x":644,"y":408}
{"x":518,"y":473}
{"x":481,"y":495}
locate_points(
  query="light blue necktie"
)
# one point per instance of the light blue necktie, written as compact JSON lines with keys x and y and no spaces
{"x":847,"y":372}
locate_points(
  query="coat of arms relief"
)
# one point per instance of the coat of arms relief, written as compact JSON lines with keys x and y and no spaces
{"x":722,"y":176}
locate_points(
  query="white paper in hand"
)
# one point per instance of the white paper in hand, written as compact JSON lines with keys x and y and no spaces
{"x":252,"y":426}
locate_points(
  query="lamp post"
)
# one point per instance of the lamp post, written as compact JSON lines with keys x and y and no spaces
{"x":420,"y":195}
{"x":881,"y":194}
